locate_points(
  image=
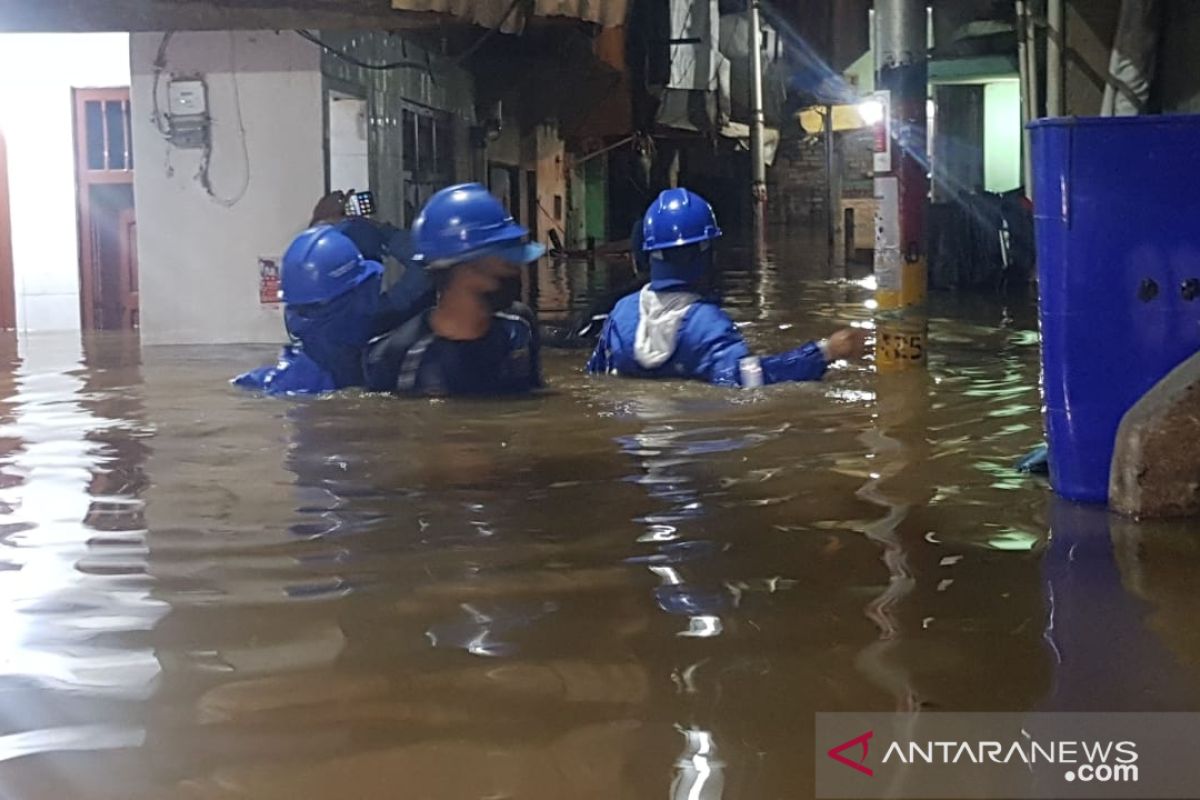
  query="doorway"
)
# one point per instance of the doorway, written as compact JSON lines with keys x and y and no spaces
{"x":349,"y":165}
{"x":531,"y":204}
{"x":427,"y":147}
{"x":503,"y":182}
{"x":108,"y":279}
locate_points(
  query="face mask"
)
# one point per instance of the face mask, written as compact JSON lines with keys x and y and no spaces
{"x":508,"y":293}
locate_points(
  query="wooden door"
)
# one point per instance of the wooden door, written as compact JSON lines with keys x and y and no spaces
{"x":127,"y":259}
{"x":104,"y":174}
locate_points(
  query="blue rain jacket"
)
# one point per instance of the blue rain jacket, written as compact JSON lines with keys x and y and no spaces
{"x":415,"y":361}
{"x":293,"y":373}
{"x":329,"y":340}
{"x":375,"y":240}
{"x":413,"y":292}
{"x":678,"y":334}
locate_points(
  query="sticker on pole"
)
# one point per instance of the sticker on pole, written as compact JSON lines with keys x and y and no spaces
{"x":889,"y":259}
{"x":876,"y":111}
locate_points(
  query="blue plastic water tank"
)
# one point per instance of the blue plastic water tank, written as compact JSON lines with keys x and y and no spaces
{"x":1117,"y":213}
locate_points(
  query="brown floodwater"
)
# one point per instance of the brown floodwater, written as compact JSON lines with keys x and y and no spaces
{"x":614,"y":589}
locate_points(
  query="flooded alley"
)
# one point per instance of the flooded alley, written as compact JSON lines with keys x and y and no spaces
{"x":610,"y":589}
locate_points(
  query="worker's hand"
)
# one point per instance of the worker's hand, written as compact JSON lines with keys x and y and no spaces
{"x":847,"y":344}
{"x":330,"y":209}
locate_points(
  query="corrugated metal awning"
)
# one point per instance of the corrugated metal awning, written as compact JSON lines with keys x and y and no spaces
{"x":490,"y":13}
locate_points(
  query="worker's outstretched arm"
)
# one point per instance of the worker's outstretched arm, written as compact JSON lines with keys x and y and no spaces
{"x":727,"y":361}
{"x":810,"y":362}
{"x":805,"y":363}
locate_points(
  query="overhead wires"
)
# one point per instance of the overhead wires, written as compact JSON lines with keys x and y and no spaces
{"x":423,"y":66}
{"x":358,"y":62}
{"x":160,"y":64}
{"x":203,"y":175}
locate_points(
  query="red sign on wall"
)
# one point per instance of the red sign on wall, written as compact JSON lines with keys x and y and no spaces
{"x":268,"y":281}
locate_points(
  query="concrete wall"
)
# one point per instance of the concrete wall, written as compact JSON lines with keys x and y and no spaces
{"x":348,"y":164}
{"x":37,"y":74}
{"x":444,"y":87}
{"x":545,"y":152}
{"x":796,"y":182}
{"x":199,"y":256}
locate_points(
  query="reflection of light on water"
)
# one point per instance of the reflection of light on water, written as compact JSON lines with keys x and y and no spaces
{"x":659,"y":533}
{"x":51,"y":612}
{"x":698,"y":775}
{"x":703,"y":627}
{"x":868,"y":283}
{"x":1014,"y":540}
{"x":670,"y":576}
{"x":77,"y":737}
{"x":851,"y":396}
{"x":871,"y":304}
{"x":700,"y":627}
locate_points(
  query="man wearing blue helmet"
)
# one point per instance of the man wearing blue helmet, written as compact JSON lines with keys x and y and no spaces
{"x":333,"y":307}
{"x":477,"y":339}
{"x":378,"y":241}
{"x":669,"y":329}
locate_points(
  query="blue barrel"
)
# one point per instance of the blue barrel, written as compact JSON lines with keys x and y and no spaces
{"x":1117,"y":213}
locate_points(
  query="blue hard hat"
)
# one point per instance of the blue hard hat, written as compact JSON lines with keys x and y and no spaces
{"x":323,"y":264}
{"x":463,"y":222}
{"x":678,"y":218}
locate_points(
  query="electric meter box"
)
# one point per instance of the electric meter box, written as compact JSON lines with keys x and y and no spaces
{"x":187,"y":98}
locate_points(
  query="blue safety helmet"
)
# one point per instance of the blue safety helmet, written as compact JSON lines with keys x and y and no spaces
{"x":678,"y":218}
{"x":321,"y":265}
{"x":464,"y":222}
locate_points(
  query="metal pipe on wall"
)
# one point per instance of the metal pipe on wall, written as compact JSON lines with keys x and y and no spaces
{"x":1026,"y":107}
{"x":831,"y":193}
{"x":1055,"y":44}
{"x":1031,"y":58}
{"x":758,"y":156}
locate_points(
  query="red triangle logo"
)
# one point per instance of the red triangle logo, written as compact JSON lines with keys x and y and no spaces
{"x":858,"y":741}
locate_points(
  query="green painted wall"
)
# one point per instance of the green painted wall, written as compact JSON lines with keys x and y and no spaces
{"x":1002,"y":136}
{"x":596,"y":199}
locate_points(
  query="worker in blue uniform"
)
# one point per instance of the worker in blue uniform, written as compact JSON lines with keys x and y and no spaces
{"x":670,"y":329}
{"x":477,"y":339}
{"x":378,"y":241}
{"x":333,"y":307}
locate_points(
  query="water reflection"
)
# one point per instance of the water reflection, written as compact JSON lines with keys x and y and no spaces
{"x":1105,"y":656}
{"x":897,"y":448}
{"x":77,"y":602}
{"x":613,"y":589}
{"x":699,"y":775}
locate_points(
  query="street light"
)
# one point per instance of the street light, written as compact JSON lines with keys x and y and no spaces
{"x":871,"y":111}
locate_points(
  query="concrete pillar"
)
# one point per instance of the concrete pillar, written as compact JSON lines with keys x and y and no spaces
{"x":902,"y":185}
{"x":1156,"y":464}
